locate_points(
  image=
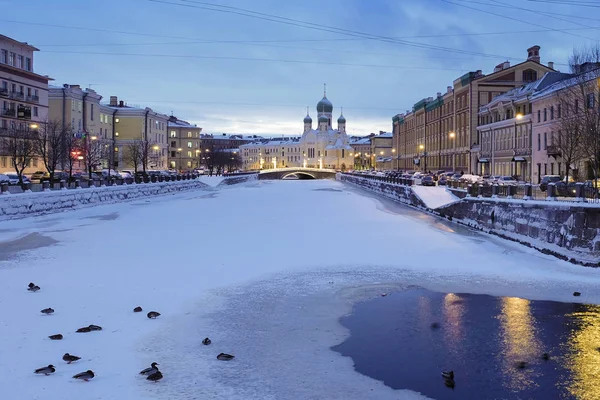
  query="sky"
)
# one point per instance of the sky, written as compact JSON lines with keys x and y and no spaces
{"x":253,"y":66}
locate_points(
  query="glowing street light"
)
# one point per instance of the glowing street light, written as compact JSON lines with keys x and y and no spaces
{"x":94,"y":137}
{"x":452,"y":135}
{"x":421,"y":147}
{"x":519,"y":116}
{"x":34,"y":126}
{"x":156,"y":147}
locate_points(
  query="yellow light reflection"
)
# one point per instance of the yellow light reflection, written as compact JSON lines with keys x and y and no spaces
{"x":454,"y":310}
{"x":583,"y":357}
{"x":519,"y":343}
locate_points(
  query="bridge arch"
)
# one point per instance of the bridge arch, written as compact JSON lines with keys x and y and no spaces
{"x":299,"y":175}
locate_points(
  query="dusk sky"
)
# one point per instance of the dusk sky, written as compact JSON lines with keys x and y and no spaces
{"x":214,"y":65}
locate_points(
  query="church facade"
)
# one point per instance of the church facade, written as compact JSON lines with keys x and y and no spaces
{"x":321,"y":147}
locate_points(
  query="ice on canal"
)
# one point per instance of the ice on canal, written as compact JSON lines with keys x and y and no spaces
{"x":264,"y":269}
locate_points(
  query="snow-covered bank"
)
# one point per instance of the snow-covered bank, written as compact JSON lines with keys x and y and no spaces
{"x":260,"y":289}
{"x":27,"y":204}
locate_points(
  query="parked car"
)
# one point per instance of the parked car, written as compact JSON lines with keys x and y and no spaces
{"x":113,"y":173}
{"x":442,"y":181}
{"x":4,"y":179}
{"x":427,"y":180}
{"x":13,"y":178}
{"x":81,"y":176}
{"x":506,"y":181}
{"x":37,"y":176}
{"x":126,"y":174}
{"x":546,"y":179}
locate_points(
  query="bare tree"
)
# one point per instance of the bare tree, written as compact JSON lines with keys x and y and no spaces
{"x":72,"y":152}
{"x":19,"y":145}
{"x":567,"y":142}
{"x":234,"y":161}
{"x":585,"y":64}
{"x":220,"y":159}
{"x":133,"y":154}
{"x":209,"y":161}
{"x":50,"y":144}
{"x":93,"y":153}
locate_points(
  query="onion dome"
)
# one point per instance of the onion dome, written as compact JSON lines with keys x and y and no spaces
{"x":323,"y":118}
{"x":341,"y":119}
{"x":324,"y":106}
{"x":307,"y":119}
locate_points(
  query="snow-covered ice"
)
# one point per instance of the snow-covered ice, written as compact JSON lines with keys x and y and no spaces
{"x":434,"y":196}
{"x":264,"y":269}
{"x":212,"y":180}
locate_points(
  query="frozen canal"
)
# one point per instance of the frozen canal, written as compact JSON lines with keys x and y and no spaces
{"x":265,"y":270}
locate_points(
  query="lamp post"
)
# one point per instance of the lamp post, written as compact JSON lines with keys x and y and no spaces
{"x":198,"y":157}
{"x":179,"y":166}
{"x":518,"y":117}
{"x":452,"y":135}
{"x":422,"y":148}
{"x":397,"y":159}
{"x":156,"y":154}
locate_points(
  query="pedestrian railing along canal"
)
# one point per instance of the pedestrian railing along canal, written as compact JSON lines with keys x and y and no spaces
{"x":85,"y":184}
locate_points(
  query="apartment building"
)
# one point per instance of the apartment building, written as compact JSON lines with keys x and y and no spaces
{"x":133,"y":124}
{"x":441,"y":132}
{"x":382,"y":150}
{"x":23,"y":95}
{"x":361,"y":147}
{"x":81,"y":111}
{"x":185,"y":152}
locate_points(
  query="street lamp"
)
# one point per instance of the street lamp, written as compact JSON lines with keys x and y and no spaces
{"x":179,"y":151}
{"x":452,"y":135}
{"x":34,"y":126}
{"x":422,"y":148}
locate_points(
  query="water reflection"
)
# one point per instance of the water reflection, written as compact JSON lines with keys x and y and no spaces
{"x":582,"y":355}
{"x":482,"y":338}
{"x":519,"y":343}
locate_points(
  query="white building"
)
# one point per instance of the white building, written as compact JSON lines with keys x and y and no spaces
{"x":323,"y":147}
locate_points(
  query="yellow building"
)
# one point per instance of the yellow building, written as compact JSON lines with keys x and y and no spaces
{"x":185,"y":152}
{"x":143,"y":125}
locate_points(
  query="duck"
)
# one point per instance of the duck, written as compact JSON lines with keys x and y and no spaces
{"x":206,"y":341}
{"x":435,"y":325}
{"x":448,"y":374}
{"x":545,"y":356}
{"x":47,"y":311}
{"x":576,"y":294}
{"x":150,"y":370}
{"x":137,"y":309}
{"x":225,"y":357}
{"x":95,"y":327}
{"x":522,"y":364}
{"x":86,"y":376}
{"x":153,"y":314}
{"x":85,"y":329}
{"x":45,"y":370}
{"x":70,"y":358}
{"x":58,"y":336}
{"x":449,"y":383}
{"x":155,"y":377}
{"x":32,"y":287}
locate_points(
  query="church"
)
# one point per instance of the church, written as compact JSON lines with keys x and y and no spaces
{"x":322,"y":147}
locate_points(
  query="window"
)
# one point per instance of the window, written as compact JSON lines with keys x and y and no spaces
{"x":11,"y":58}
{"x":189,"y":154}
{"x":529,"y":75}
{"x":558,"y":111}
{"x":590,"y":100}
{"x":545,"y":140}
{"x":79,"y":105}
{"x":551,"y":113}
{"x":189,"y":164}
{"x":92,"y":112}
{"x":3,"y":56}
{"x":28,"y":64}
{"x":189,"y":134}
{"x":576,"y":106}
{"x":173,"y":134}
{"x":545,"y":115}
{"x":173,"y":154}
{"x":189,"y":145}
{"x":539,"y":142}
{"x":35,"y":112}
{"x":20,"y":62}
{"x":173,"y":143}
{"x":539,"y":116}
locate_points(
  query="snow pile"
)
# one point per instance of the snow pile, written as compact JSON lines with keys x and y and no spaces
{"x":212,"y":180}
{"x":260,"y":289}
{"x":434,"y":196}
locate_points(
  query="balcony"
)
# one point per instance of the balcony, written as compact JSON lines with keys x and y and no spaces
{"x":553,"y":151}
{"x":33,"y":99}
{"x":3,"y":92}
{"x":24,"y":112}
{"x":9,"y":112}
{"x":17,"y":95}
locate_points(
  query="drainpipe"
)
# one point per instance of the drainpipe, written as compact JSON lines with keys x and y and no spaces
{"x":113,"y":143}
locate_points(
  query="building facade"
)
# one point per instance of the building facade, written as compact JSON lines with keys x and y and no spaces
{"x":23,"y":96}
{"x":323,"y":147}
{"x":185,"y":152}
{"x":361,"y":147}
{"x":441,"y":133}
{"x":382,"y":150}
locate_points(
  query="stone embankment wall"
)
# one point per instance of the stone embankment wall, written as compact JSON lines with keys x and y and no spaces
{"x":22,"y":205}
{"x":570,"y":231}
{"x":237,"y":179}
{"x":396,"y":192}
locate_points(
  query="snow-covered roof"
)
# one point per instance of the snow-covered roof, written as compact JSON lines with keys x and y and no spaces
{"x":386,"y":134}
{"x":362,"y":140}
{"x":181,"y":124}
{"x":570,"y":81}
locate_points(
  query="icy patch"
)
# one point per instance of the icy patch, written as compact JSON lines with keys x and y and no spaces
{"x":10,"y":249}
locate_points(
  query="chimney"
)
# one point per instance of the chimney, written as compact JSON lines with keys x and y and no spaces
{"x":533,"y":54}
{"x":121,"y":103}
{"x":449,"y":89}
{"x":75,"y":87}
{"x":506,"y":65}
{"x":551,"y":65}
{"x":113,"y":101}
{"x":439,"y":94}
{"x":498,"y":67}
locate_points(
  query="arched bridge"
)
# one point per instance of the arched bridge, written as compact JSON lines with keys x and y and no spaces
{"x":297,"y":173}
